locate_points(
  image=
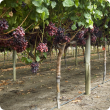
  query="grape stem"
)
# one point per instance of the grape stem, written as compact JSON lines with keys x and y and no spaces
{"x":20,"y":24}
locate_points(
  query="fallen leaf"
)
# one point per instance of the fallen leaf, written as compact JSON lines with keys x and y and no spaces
{"x":1,"y":89}
{"x":49,"y":87}
{"x":28,"y":93}
{"x":79,"y":92}
{"x":76,"y":101}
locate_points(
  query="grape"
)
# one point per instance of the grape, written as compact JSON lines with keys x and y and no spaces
{"x":42,"y":47}
{"x":19,"y":32}
{"x":19,"y":43}
{"x":3,"y":25}
{"x":60,"y":37}
{"x":99,"y":34}
{"x":51,"y":29}
{"x":93,"y":38}
{"x":23,"y":4}
{"x":92,"y":30}
{"x":34,"y":67}
{"x":60,"y":32}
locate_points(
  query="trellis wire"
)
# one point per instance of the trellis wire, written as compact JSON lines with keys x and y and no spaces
{"x":78,"y":96}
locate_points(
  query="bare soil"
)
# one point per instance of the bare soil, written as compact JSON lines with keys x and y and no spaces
{"x":38,"y":91}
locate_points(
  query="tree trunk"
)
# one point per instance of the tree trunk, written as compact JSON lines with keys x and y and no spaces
{"x":104,"y":74}
{"x":61,"y":50}
{"x":76,"y":63}
{"x":88,"y":68}
{"x":14,"y":65}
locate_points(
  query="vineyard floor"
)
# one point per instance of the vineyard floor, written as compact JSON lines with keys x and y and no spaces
{"x":38,"y":92}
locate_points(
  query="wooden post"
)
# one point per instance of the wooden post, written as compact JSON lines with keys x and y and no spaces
{"x":58,"y":77}
{"x":74,"y":51}
{"x":98,"y":52}
{"x":88,"y":68}
{"x":76,"y":63}
{"x":14,"y":65}
{"x":104,"y":74}
{"x":83,"y":53}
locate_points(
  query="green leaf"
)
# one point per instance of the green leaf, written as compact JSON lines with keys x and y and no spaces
{"x":28,"y":49}
{"x":53,"y":4}
{"x":37,"y":58}
{"x":106,"y":26}
{"x":47,"y":22}
{"x":37,"y":3}
{"x":87,"y":15}
{"x":68,"y":3}
{"x":73,"y":27}
{"x":41,"y":10}
{"x":80,"y":23}
{"x":76,"y":3}
{"x":45,"y":54}
{"x":43,"y":15}
{"x":29,"y":60}
{"x":23,"y":59}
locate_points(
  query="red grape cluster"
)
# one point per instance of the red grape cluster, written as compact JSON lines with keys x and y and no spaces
{"x":81,"y":36}
{"x":19,"y":32}
{"x":19,"y":43}
{"x":93,"y":38}
{"x":34,"y":67}
{"x":3,"y":25}
{"x":51,"y":29}
{"x":61,"y":37}
{"x":42,"y":47}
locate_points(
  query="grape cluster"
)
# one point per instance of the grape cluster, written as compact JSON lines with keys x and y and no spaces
{"x":51,"y":29}
{"x":61,"y":37}
{"x":23,"y":4}
{"x":93,"y":38}
{"x":19,"y":32}
{"x":3,"y":25}
{"x":42,"y":47}
{"x":34,"y":67}
{"x":81,"y":36}
{"x":19,"y":43}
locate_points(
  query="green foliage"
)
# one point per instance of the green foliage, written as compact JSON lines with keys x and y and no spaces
{"x":26,"y":60}
{"x":68,"y":3}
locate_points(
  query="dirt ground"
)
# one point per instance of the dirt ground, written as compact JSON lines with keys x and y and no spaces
{"x":38,"y":92}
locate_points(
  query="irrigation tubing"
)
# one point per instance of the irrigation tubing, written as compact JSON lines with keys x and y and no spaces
{"x":78,"y":95}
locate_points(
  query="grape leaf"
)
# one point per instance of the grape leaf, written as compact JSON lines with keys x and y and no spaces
{"x":53,"y":4}
{"x":45,"y":54}
{"x":73,"y":27}
{"x":37,"y":58}
{"x":68,"y":3}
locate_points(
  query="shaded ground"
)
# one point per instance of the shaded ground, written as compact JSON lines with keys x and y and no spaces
{"x":38,"y":92}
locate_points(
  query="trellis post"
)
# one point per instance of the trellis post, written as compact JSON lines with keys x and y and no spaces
{"x":14,"y":65}
{"x":88,"y":67}
{"x":104,"y":74}
{"x":76,"y":63}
